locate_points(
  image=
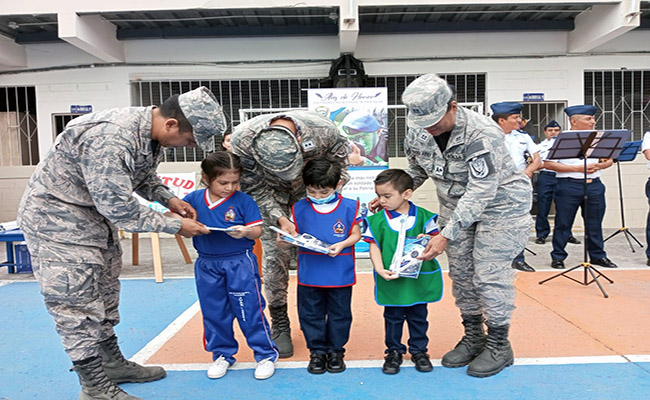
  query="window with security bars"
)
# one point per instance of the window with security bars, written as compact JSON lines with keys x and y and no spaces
{"x":622,"y":99}
{"x":61,"y":120}
{"x":278,"y":94}
{"x":18,"y":127}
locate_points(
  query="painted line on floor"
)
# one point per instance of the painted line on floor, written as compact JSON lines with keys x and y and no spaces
{"x":436,"y":363}
{"x":159,"y":341}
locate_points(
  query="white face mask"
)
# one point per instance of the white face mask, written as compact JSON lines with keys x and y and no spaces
{"x":324,"y":200}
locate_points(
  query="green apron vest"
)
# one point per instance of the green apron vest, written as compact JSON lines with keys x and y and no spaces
{"x":426,"y":288}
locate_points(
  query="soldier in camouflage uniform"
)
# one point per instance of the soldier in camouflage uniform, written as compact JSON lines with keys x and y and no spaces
{"x":484,"y":209}
{"x":273,"y":149}
{"x":73,"y":206}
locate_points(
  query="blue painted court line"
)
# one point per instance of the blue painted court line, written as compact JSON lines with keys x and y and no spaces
{"x":33,"y":364}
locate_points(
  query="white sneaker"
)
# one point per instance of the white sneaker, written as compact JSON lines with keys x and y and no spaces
{"x":264,"y":369}
{"x":218,"y":368}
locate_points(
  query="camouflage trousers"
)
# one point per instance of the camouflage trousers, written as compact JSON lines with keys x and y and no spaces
{"x":480,"y":266}
{"x":275,"y":263}
{"x":81,"y":290}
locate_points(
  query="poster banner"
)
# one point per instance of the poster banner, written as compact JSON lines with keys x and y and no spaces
{"x":180,"y":183}
{"x":361,"y":114}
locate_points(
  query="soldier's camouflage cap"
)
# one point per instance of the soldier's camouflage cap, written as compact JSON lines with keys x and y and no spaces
{"x":204,"y":113}
{"x":426,"y":98}
{"x":277,"y":150}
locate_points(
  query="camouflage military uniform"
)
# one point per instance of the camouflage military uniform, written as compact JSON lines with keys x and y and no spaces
{"x":318,"y":137}
{"x":484,"y":209}
{"x":78,"y":197}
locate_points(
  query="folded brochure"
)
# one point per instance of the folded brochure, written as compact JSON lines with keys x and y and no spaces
{"x":408,"y":266}
{"x":304,"y":240}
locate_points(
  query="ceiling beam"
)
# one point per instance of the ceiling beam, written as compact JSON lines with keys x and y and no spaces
{"x":91,"y":34}
{"x":348,"y":27}
{"x":12,"y":54}
{"x":603,"y":23}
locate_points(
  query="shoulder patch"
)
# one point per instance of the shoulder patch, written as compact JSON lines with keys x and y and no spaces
{"x":480,"y":166}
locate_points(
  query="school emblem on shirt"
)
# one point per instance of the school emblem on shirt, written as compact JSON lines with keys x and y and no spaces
{"x":479,"y":167}
{"x":338,"y":228}
{"x":230,"y":214}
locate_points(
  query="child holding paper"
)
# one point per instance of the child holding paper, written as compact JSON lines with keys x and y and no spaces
{"x":325,"y":280}
{"x":402,"y":298}
{"x":227,"y":277}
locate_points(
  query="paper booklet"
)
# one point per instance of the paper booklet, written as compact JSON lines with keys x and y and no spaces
{"x":408,"y":265}
{"x":220,"y":229}
{"x":8,"y":226}
{"x":304,"y":240}
{"x":404,"y":261}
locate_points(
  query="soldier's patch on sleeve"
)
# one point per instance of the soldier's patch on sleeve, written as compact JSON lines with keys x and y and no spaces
{"x":481,"y":166}
{"x":247,"y":163}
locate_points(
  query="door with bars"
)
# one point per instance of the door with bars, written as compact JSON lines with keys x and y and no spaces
{"x":18,"y":126}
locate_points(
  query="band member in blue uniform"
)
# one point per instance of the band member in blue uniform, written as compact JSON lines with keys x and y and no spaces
{"x":570,"y":193}
{"x":546,"y":182}
{"x":226,"y":271}
{"x":325,"y":280}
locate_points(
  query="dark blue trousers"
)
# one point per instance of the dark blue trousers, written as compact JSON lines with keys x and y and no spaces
{"x":546,"y":182}
{"x":647,"y":224}
{"x":416,"y":320}
{"x":569,"y":195}
{"x":325,"y":316}
{"x":229,"y":288}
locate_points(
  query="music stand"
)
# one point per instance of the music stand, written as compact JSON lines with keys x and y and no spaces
{"x":584,"y":145}
{"x":629,"y":153}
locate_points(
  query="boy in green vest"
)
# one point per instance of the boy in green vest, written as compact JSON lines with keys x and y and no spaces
{"x":403,"y":298}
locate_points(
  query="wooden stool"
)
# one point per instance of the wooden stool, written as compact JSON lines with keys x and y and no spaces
{"x":155,"y":250}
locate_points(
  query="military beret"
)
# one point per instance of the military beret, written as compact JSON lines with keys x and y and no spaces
{"x":581,"y":109}
{"x":507,"y":107}
{"x":553,"y":124}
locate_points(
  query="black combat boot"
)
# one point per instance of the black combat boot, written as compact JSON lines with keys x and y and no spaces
{"x":95,"y":385}
{"x":281,"y":330}
{"x":469,"y":346}
{"x":120,"y":370}
{"x":496,"y":355}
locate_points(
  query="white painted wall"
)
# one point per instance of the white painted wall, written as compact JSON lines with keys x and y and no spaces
{"x":515,"y":63}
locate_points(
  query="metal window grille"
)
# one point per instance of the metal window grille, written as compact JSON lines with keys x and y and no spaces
{"x":18,"y":127}
{"x":538,"y":114}
{"x":622,"y":98}
{"x":61,"y":120}
{"x":255,"y":96}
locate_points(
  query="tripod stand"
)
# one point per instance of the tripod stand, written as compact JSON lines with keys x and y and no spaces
{"x":628,"y":154}
{"x":584,"y":145}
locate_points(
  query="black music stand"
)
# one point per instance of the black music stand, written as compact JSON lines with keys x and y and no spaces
{"x":584,"y":145}
{"x":629,"y":153}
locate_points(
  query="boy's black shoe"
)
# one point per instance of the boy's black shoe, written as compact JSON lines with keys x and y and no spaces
{"x":317,"y":364}
{"x":335,"y":362}
{"x":392,"y":363}
{"x":422,"y":362}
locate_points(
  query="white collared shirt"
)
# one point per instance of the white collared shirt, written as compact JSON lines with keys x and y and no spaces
{"x":543,"y":148}
{"x":517,"y":143}
{"x":646,"y":145}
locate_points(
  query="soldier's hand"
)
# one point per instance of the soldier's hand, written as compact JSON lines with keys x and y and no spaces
{"x":183,"y":208}
{"x":434,"y":248}
{"x":374,"y":205}
{"x":191,"y":228}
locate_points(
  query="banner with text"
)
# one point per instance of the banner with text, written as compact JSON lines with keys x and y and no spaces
{"x":180,"y":183}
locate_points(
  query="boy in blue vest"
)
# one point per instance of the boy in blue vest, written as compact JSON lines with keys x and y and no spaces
{"x":325,"y":280}
{"x":404,"y":299}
